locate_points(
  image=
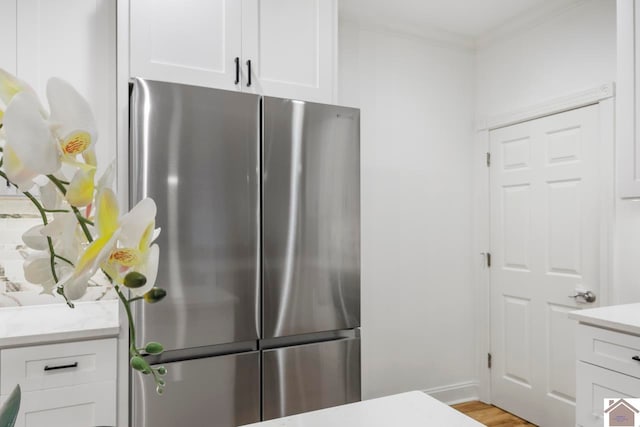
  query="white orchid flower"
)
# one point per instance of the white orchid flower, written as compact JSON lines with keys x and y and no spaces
{"x":72,"y":121}
{"x":36,"y":143}
{"x":135,"y":251}
{"x":108,"y":227}
{"x":10,"y":86}
{"x":80,"y":190}
{"x":30,"y":149}
{"x":50,"y":196}
{"x":37,"y":270}
{"x":34,"y":239}
{"x":66,"y":235}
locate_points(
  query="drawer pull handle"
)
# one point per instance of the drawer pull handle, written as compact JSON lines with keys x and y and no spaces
{"x":54,"y":368}
{"x":636,"y":358}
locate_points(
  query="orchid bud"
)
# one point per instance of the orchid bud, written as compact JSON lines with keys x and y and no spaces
{"x":138,"y":363}
{"x":154,"y":348}
{"x":134,"y":280}
{"x":154,"y":295}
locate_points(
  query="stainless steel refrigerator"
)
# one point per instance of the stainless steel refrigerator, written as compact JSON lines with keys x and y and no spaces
{"x":259,"y":204}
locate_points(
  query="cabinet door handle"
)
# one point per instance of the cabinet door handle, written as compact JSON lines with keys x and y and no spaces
{"x":248,"y":72}
{"x":636,"y":358}
{"x":237,"y":60}
{"x":56,"y":367}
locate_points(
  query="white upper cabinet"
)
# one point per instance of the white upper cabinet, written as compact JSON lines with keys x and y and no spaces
{"x":282,"y":48}
{"x":628,"y":100}
{"x":291,"y":46}
{"x":71,"y":39}
{"x":8,"y":35}
{"x":193,"y":42}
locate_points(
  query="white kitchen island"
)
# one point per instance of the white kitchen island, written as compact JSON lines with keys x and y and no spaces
{"x":412,"y":409}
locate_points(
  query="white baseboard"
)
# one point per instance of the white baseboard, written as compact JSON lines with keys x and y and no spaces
{"x":455,"y":393}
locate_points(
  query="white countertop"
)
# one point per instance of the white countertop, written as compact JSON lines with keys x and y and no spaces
{"x":413,"y":409}
{"x":625,"y":318}
{"x":56,"y":322}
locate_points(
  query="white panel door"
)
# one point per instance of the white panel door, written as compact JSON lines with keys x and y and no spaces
{"x":291,"y":46}
{"x":545,"y":245}
{"x":74,"y":40}
{"x":193,"y":42}
{"x":92,"y":404}
{"x":8,"y":35}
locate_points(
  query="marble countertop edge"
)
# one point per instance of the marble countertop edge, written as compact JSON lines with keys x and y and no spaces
{"x":39,"y":324}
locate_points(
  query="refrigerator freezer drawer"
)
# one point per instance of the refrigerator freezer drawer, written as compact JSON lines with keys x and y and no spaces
{"x":222,"y":391}
{"x":196,"y":152}
{"x":311,"y":218}
{"x":309,"y":377}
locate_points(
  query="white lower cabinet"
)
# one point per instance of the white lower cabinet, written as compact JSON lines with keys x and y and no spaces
{"x":607,"y":369}
{"x":67,"y":385}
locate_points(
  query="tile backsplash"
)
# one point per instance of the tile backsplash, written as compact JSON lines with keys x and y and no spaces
{"x":17,"y":215}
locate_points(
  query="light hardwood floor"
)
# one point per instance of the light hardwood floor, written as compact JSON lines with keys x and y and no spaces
{"x":490,"y":416}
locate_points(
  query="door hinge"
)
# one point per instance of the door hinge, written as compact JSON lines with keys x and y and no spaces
{"x":489,"y":360}
{"x":488,"y":259}
{"x":488,"y":159}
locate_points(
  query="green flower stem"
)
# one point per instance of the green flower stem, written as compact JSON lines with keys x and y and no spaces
{"x":81,"y":219}
{"x":60,"y":257}
{"x":45,"y":221}
{"x":133,"y":350}
{"x":84,"y":222}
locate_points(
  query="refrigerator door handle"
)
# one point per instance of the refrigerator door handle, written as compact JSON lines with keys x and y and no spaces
{"x":318,"y":337}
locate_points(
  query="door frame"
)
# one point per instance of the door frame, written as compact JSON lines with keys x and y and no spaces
{"x":604,"y":97}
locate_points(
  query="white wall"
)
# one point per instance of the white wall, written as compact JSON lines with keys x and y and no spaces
{"x":416,"y":101}
{"x":566,"y":53}
{"x":573,"y":51}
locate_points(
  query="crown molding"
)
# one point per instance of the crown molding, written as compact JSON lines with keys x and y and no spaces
{"x":432,"y":35}
{"x":526,"y":21}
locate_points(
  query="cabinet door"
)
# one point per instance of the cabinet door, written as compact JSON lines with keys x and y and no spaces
{"x":292,"y":47}
{"x":74,"y":40}
{"x":627,"y":99}
{"x":192,"y":41}
{"x":8,"y":35}
{"x":79,"y":406}
{"x":594,"y":385}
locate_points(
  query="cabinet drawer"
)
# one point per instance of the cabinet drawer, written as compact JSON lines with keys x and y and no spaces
{"x":57,"y":365}
{"x":594,"y":385}
{"x":609,"y":349}
{"x":79,"y":406}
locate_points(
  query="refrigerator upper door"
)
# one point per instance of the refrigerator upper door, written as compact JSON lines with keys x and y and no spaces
{"x":195,"y":151}
{"x":309,"y":377}
{"x":311,"y":217}
{"x":221,"y":391}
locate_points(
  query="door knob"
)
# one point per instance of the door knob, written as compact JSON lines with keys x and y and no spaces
{"x":585,"y":296}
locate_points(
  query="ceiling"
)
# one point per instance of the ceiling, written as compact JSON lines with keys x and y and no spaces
{"x":472,"y":19}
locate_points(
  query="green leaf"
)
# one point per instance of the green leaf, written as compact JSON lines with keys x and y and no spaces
{"x":9,"y":411}
{"x":154,"y":348}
